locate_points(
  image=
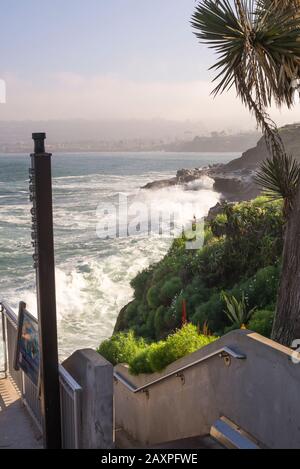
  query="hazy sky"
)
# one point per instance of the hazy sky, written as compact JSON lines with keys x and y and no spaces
{"x":111,"y":59}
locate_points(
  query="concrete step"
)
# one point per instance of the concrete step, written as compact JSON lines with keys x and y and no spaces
{"x":224,"y":434}
{"x":124,"y":441}
{"x":230,"y":435}
{"x":200,"y":442}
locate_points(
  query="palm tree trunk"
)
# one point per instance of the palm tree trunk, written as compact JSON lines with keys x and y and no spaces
{"x":287,"y":321}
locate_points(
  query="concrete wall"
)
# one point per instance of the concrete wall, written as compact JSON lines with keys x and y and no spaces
{"x":95,"y":376}
{"x":261,"y":394}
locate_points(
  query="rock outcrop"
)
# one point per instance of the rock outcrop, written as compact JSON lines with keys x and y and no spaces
{"x":233,"y":185}
{"x":234,"y":180}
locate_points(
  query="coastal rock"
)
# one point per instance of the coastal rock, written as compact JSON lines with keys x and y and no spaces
{"x":234,"y":180}
{"x":214,"y":211}
{"x":233,"y":185}
{"x":187,"y":175}
{"x":236,"y":189}
{"x":155,"y":185}
{"x":121,"y":323}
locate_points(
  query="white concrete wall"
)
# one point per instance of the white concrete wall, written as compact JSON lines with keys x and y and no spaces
{"x":261,"y":394}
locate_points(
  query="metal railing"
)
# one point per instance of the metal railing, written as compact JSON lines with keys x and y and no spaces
{"x":70,"y":391}
{"x":224,"y":352}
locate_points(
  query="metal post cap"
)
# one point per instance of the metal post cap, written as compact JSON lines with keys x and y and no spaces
{"x":39,"y":136}
{"x":39,"y":142}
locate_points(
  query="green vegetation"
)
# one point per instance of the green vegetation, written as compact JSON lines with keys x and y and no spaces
{"x":237,"y":311}
{"x":149,"y":358}
{"x":262,"y":322}
{"x":121,"y":348}
{"x":232,"y":280}
{"x":241,"y":256}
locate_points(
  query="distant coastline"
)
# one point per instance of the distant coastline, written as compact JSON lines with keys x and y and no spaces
{"x":22,"y":151}
{"x":213,"y":143}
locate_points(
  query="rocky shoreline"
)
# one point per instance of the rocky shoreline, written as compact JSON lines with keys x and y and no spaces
{"x":235,"y":180}
{"x":234,"y":185}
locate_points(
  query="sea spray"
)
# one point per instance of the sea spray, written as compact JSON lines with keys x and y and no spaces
{"x":92,"y":275}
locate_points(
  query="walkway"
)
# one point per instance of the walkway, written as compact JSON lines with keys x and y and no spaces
{"x":16,"y":428}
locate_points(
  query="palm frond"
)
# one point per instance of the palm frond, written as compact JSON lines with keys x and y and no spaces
{"x":280,"y":178}
{"x":258,"y":48}
{"x":265,"y":52}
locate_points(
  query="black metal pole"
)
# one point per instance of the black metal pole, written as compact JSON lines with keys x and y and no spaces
{"x":42,"y":216}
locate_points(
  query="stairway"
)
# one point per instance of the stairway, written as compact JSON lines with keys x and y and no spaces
{"x":232,"y":436}
{"x":203,"y":442}
{"x":124,"y":441}
{"x":224,"y":435}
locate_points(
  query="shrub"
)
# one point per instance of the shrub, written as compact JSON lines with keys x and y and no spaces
{"x":196,"y":292}
{"x":245,"y":229}
{"x":158,"y":356}
{"x":170,"y":289}
{"x":160,"y":321}
{"x":121,"y":348}
{"x":211,"y":262}
{"x":262,"y":322}
{"x":150,"y":325}
{"x":171,"y":320}
{"x":145,"y":358}
{"x":261,"y":289}
{"x":143,"y":362}
{"x":140,"y":281}
{"x":153,"y":297}
{"x":212,"y":313}
{"x":184,"y":342}
{"x":131,"y":310}
{"x":218,"y":225}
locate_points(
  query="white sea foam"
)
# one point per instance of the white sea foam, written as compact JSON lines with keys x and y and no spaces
{"x":92,"y":275}
{"x":92,"y":290}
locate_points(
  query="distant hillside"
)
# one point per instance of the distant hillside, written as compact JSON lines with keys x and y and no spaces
{"x":217,"y":142}
{"x":251,"y":158}
{"x":131,"y":135}
{"x":81,"y":130}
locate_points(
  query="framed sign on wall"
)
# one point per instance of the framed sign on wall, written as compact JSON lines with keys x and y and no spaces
{"x":27,"y":349}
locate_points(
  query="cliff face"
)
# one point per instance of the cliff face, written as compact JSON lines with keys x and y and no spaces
{"x":251,"y":158}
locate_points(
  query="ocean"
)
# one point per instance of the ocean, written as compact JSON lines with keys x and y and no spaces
{"x":93,"y":273}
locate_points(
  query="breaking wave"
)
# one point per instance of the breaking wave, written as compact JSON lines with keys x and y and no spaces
{"x":92,"y":275}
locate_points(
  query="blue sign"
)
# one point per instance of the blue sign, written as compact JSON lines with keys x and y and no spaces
{"x":28,"y":353}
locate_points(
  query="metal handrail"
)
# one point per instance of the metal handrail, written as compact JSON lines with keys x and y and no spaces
{"x":223,"y":353}
{"x":10,"y":314}
{"x":66,"y":378}
{"x":12,"y":318}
